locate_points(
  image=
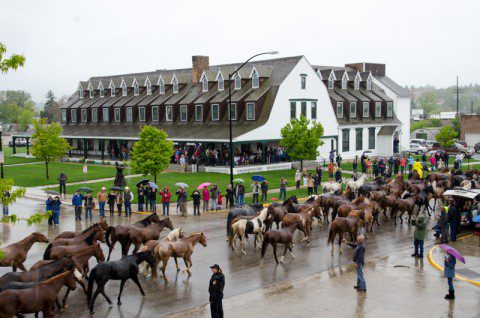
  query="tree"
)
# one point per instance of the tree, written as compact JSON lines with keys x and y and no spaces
{"x":435,"y":122}
{"x":12,"y":103}
{"x":447,"y":136}
{"x":427,"y":103}
{"x":51,"y":108}
{"x":14,"y":62}
{"x":48,"y":145}
{"x":456,"y":124}
{"x":301,"y":139}
{"x":25,"y":118}
{"x":151,"y":153}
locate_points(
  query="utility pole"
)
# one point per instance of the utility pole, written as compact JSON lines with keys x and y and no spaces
{"x":471,"y":111}
{"x":458,"y":100}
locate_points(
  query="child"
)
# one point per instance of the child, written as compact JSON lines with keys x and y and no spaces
{"x":220,"y":197}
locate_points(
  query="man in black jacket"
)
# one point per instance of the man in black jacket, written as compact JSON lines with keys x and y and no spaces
{"x":359,"y":260}
{"x":217,"y":283}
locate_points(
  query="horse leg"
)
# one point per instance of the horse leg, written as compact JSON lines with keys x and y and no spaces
{"x":109,"y":252}
{"x":135,"y":279}
{"x":284,"y":252}
{"x":92,"y":301}
{"x":290,"y":249}
{"x":64,"y":301}
{"x":242,"y":244}
{"x":14,"y":268}
{"x":333,"y":243}
{"x":102,"y":291}
{"x":274,"y":246}
{"x":190,"y":264}
{"x":22,"y":267}
{"x":340,"y":239}
{"x":176,"y":264}
{"x":164,"y":267}
{"x":122,"y":284}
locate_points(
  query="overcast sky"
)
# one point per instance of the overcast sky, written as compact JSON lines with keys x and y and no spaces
{"x":422,"y":42}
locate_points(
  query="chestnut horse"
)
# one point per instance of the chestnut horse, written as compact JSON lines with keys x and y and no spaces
{"x":16,"y":253}
{"x":152,"y":244}
{"x":303,"y":220}
{"x":60,"y":251}
{"x":283,"y":235}
{"x":72,"y":234}
{"x":341,"y":226}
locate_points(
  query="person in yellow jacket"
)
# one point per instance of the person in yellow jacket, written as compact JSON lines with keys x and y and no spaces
{"x":417,"y":166}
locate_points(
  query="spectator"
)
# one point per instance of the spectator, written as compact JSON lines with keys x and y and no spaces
{"x":419,"y":234}
{"x":196,"y":202}
{"x":119,"y":202}
{"x":146,"y":192}
{"x":255,"y":191}
{"x":214,"y":192}
{"x":220,"y":199}
{"x":315,"y":184}
{"x":152,"y":197}
{"x":424,"y":159}
{"x":166,"y":198}
{"x":440,"y":164}
{"x":403,"y":163}
{"x":446,"y":158}
{"x":459,"y":158}
{"x":111,"y":202}
{"x":62,"y":180}
{"x":355,"y":164}
{"x":298,"y":178}
{"x":88,"y":204}
{"x":410,"y":163}
{"x":391,"y":162}
{"x":102,"y":200}
{"x":6,"y":195}
{"x":283,"y":189}
{"x":456,"y":164}
{"x":330,"y":170}
{"x":49,"y":207}
{"x":331,"y":156}
{"x":453,"y":216}
{"x":56,"y":210}
{"x":205,"y":198}
{"x":359,"y":260}
{"x":229,"y":202}
{"x":338,"y":175}
{"x":77,"y":200}
{"x":449,"y":265}
{"x":339,"y":159}
{"x":264,"y":188}
{"x":433,"y":162}
{"x":396,"y":166}
{"x":240,"y":193}
{"x":127,"y":201}
{"x":310,"y":184}
{"x":182,"y":200}
{"x":183,"y":163}
{"x":305,"y":178}
{"x":141,"y":198}
{"x":319,"y":171}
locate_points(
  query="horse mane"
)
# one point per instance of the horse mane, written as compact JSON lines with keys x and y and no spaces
{"x":84,"y":249}
{"x":88,"y":228}
{"x":89,"y":239}
{"x":56,"y":277}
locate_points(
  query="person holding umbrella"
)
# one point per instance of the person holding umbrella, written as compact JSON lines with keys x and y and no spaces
{"x":119,"y":202}
{"x":182,"y":201}
{"x":205,"y":198}
{"x":153,"y":198}
{"x":141,"y":198}
{"x":111,"y":202}
{"x":214,"y":192}
{"x":166,"y":195}
{"x":88,"y":206}
{"x":449,"y":265}
{"x":77,"y":205}
{"x":240,"y":193}
{"x":146,"y":192}
{"x":264,"y":188}
{"x":256,"y":191}
{"x":127,"y":201}
{"x":196,"y":202}
{"x":102,"y":200}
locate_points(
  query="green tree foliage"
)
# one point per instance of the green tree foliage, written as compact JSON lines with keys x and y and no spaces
{"x":25,"y":118}
{"x":456,"y":124}
{"x":151,"y":153}
{"x":48,"y":144}
{"x":301,"y":139}
{"x":418,"y":125}
{"x":51,"y":108}
{"x":427,"y":103}
{"x":447,"y":136}
{"x":435,"y":122}
{"x":14,"y":62}
{"x":12,"y":103}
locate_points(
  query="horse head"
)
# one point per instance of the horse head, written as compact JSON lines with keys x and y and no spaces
{"x":39,"y":237}
{"x":203,"y":239}
{"x":167,"y":223}
{"x":154,"y":218}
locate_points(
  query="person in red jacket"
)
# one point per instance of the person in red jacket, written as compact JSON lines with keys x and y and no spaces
{"x":166,"y":195}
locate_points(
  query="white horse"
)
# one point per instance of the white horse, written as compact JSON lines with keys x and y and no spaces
{"x":355,"y":185}
{"x":242,"y":228}
{"x":330,"y":187}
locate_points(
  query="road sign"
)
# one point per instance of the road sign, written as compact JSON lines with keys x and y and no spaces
{"x":84,"y":168}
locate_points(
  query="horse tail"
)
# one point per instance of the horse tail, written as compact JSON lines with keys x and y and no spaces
{"x":266,"y":241}
{"x":229,"y":223}
{"x":231,"y":236}
{"x":107,"y":236}
{"x":46,"y":254}
{"x":331,"y":235}
{"x":91,"y":281}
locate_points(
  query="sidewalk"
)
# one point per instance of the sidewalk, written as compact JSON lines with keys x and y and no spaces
{"x":398,"y":286}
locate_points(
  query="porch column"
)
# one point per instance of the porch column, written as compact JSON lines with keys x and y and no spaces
{"x":85,"y":148}
{"x":264,"y":155}
{"x":70,"y":142}
{"x":14,"y":146}
{"x":28,"y":146}
{"x":101,"y":144}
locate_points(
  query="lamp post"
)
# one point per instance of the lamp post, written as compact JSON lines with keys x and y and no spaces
{"x":1,"y":152}
{"x":230,"y":108}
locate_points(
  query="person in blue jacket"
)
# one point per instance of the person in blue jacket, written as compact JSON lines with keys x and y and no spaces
{"x":56,"y":210}
{"x":77,"y":200}
{"x":449,"y":265}
{"x":48,"y":207}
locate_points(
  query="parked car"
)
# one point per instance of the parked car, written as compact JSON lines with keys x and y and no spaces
{"x":421,"y":142}
{"x":430,"y":143}
{"x":455,"y":149}
{"x":462,"y":142}
{"x":416,"y":148}
{"x":477,"y":147}
{"x":20,"y":142}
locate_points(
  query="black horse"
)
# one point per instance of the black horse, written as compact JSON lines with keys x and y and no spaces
{"x":122,"y":270}
{"x":246,"y":211}
{"x":368,"y":187}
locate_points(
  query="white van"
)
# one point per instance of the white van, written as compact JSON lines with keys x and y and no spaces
{"x":421,"y":142}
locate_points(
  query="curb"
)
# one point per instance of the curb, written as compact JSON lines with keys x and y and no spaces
{"x":440,"y":268}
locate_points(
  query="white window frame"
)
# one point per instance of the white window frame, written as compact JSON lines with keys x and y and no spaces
{"x":175,"y":85}
{"x":129,"y":114}
{"x":73,"y":115}
{"x":91,"y":92}
{"x":218,"y":112}
{"x":105,"y":110}
{"x":112,"y":90}
{"x":366,"y":109}
{"x":94,"y":115}
{"x":389,"y":109}
{"x":356,"y":84}
{"x":154,"y":113}
{"x":117,"y":111}
{"x":167,"y":108}
{"x":64,"y":115}
{"x":252,"y":105}
{"x":149,"y":88}
{"x":369,"y":83}
{"x":340,"y":107}
{"x":161,"y":86}
{"x":354,"y":113}
{"x":221,"y":83}
{"x":234,"y":105}
{"x":303,"y":81}
{"x":331,"y":83}
{"x":255,"y":80}
{"x":102,"y":92}
{"x":344,"y":82}
{"x":124,"y":90}
{"x":83,"y":115}
{"x":378,"y":109}
{"x":136,"y":89}
{"x":204,"y":84}
{"x":141,"y":110}
{"x":313,"y":105}
{"x":199,"y":106}
{"x":80,"y":93}
{"x":237,"y":81}
{"x":183,"y":109}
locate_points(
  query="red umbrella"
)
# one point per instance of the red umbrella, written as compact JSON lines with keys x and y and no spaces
{"x":450,"y":250}
{"x":203,"y":185}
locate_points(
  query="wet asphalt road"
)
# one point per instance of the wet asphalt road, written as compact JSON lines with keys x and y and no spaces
{"x":242,"y":272}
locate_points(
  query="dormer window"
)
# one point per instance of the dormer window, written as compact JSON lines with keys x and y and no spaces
{"x":149,"y":88}
{"x":175,"y":85}
{"x":339,"y":109}
{"x":80,"y":92}
{"x":136,"y":89}
{"x":344,"y":82}
{"x":124,"y":88}
{"x":255,"y":79}
{"x":369,"y":83}
{"x":238,"y":81}
{"x":221,"y":83}
{"x":101,"y":90}
{"x":356,"y":83}
{"x":90,"y":90}
{"x":204,"y":84}
{"x":161,"y":85}
{"x":112,"y":89}
{"x":303,"y":81}
{"x":331,"y":82}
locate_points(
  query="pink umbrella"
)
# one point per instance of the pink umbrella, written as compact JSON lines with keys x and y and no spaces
{"x":203,"y":185}
{"x":450,"y":250}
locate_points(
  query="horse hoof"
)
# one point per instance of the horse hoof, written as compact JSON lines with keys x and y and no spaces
{"x":119,"y":303}
{"x":178,"y":269}
{"x":261,"y":262}
{"x":341,"y":252}
{"x":293,"y":256}
{"x":244,"y":253}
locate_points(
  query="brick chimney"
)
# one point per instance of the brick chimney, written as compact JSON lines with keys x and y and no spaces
{"x":199,"y":64}
{"x":377,"y":69}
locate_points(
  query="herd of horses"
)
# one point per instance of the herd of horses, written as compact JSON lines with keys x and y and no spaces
{"x":347,"y":211}
{"x":66,"y":263}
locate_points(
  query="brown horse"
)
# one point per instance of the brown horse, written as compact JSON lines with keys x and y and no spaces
{"x":303,"y":220}
{"x":16,"y":253}
{"x":121,"y":233}
{"x":404,"y":205}
{"x":59,"y":251}
{"x":40,"y":297}
{"x":173,"y":236}
{"x":385,"y":200}
{"x":283,"y":235}
{"x":71,"y":234}
{"x":137,"y":236}
{"x":181,"y":248}
{"x":341,"y":226}
{"x":356,"y":204}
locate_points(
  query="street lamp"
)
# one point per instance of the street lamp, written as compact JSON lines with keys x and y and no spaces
{"x":230,"y":107}
{"x":1,"y":152}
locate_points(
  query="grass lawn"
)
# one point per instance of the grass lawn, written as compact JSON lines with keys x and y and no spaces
{"x":34,"y":175}
{"x":8,"y":152}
